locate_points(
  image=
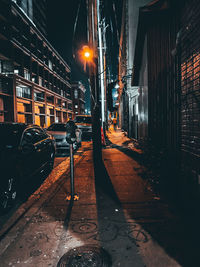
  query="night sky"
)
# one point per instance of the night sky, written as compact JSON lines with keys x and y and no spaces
{"x":61,"y":17}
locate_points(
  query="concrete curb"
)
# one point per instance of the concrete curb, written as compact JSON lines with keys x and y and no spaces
{"x":38,"y":198}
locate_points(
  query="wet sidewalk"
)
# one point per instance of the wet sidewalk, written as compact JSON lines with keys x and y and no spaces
{"x":117,"y":221}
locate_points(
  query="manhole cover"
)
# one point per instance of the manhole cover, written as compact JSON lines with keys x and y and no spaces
{"x":85,"y":256}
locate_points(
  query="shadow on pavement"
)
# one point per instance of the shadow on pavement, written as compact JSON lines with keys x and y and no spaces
{"x":116,"y":233}
{"x":177,"y":234}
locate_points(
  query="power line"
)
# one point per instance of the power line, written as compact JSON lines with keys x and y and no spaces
{"x":75,"y":26}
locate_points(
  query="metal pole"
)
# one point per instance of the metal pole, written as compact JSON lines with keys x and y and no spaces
{"x":72,"y":171}
{"x":101,"y":65}
{"x":94,"y":81}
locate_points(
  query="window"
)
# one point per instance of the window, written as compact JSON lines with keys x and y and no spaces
{"x":69,"y":106}
{"x":58,"y":102}
{"x":23,"y":91}
{"x":26,"y":6}
{"x":64,"y":104}
{"x":46,"y":83}
{"x":16,"y":71}
{"x":50,"y":99}
{"x":40,"y":81}
{"x":26,"y":74}
{"x":76,"y":106}
{"x":75,"y":93}
{"x":38,"y":96}
{"x":6,"y":85}
{"x":6,"y":67}
{"x":50,"y":64}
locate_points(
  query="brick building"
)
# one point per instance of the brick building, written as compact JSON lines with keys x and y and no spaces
{"x":34,"y":79}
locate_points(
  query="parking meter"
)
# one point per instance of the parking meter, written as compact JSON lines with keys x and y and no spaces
{"x":71,"y":132}
{"x":71,"y":138}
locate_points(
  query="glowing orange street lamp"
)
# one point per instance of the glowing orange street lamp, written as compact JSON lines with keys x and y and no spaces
{"x":86,"y":55}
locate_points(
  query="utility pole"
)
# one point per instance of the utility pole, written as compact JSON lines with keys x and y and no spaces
{"x":101,"y":75}
{"x":94,"y":81}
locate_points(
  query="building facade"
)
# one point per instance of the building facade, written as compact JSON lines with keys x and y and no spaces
{"x":35,"y":10}
{"x":130,"y":116}
{"x":167,"y":60}
{"x":78,"y":98}
{"x":34,"y":79}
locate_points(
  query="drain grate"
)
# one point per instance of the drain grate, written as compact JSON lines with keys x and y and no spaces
{"x":85,"y":256}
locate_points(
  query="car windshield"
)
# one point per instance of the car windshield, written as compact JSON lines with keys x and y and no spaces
{"x":10,"y":135}
{"x":57,"y":127}
{"x":83,"y":119}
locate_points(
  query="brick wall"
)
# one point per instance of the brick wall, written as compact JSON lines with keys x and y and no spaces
{"x":174,"y":89}
{"x":190,"y":92}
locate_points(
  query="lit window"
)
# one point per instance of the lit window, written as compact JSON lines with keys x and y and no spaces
{"x":23,"y":91}
{"x":50,"y":64}
{"x":76,"y":93}
{"x":40,"y":81}
{"x":76,"y":106}
{"x":26,"y":74}
{"x":16,"y":71}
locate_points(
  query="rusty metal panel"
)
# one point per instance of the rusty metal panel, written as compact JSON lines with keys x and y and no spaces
{"x":163,"y":83}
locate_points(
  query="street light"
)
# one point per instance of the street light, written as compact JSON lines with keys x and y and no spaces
{"x":89,"y":56}
{"x":86,"y":54}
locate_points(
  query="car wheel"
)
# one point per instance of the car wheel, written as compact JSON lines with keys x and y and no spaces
{"x":8,"y":195}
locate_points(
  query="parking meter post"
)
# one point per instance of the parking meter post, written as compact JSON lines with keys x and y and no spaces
{"x":71,"y":138}
{"x":72,"y":171}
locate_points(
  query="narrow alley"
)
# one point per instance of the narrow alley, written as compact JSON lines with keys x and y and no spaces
{"x":118,"y":219}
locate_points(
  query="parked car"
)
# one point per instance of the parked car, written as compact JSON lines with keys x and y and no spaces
{"x":25,"y":150}
{"x":58,"y":131}
{"x":84,"y":123}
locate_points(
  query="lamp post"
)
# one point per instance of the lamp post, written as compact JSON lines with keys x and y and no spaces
{"x":89,"y":57}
